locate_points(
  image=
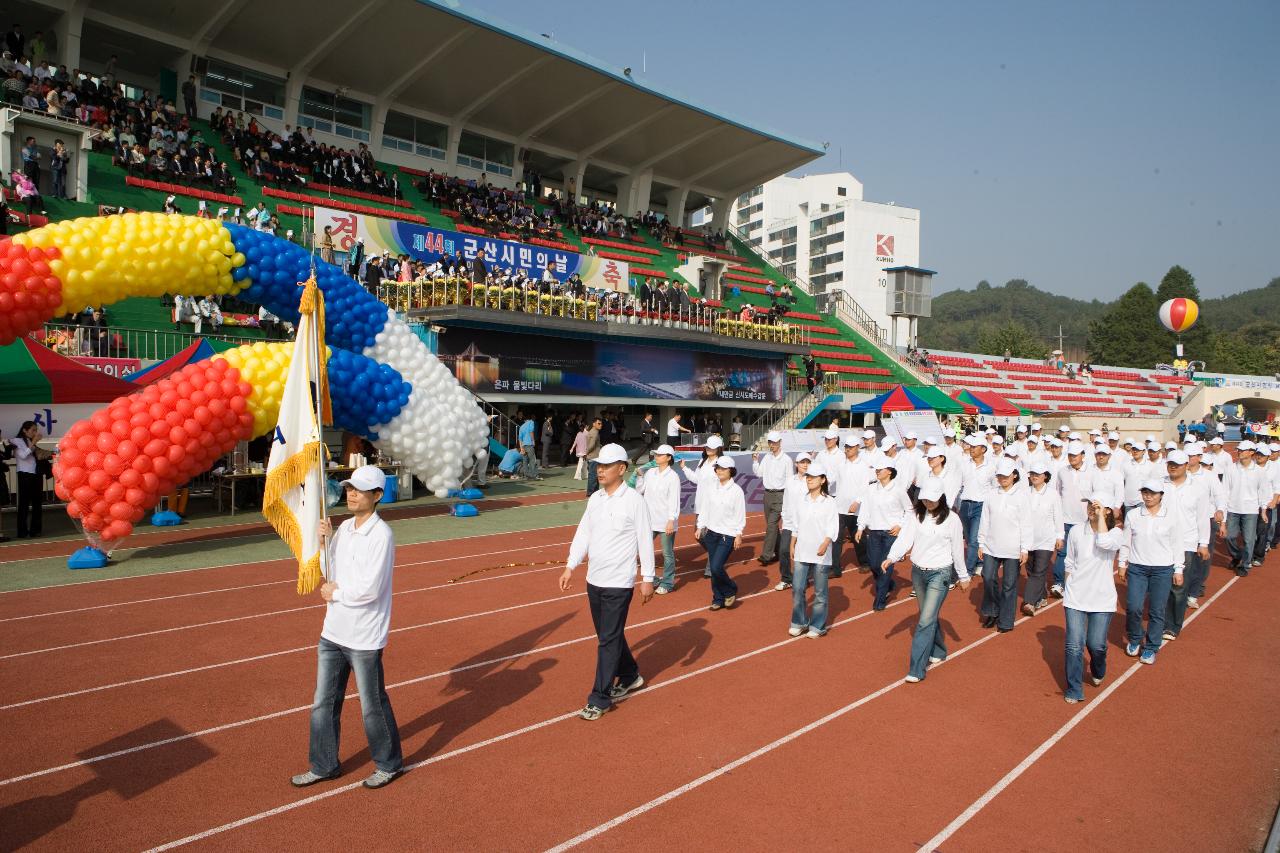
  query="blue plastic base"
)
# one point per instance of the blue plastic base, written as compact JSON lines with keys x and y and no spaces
{"x":463,"y":510}
{"x":166,"y":518}
{"x":87,"y":558}
{"x":471,"y":494}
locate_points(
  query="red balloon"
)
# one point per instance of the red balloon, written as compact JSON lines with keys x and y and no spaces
{"x":168,"y":398}
{"x":113,"y":493}
{"x":142,"y":463}
{"x":162,"y":467}
{"x":203,"y":416}
{"x":155,"y":447}
{"x":114,"y":465}
{"x":106,"y":442}
{"x":93,"y":460}
{"x":127,"y":450}
{"x":130,"y":477}
{"x":140,"y":435}
{"x":71,"y":476}
{"x":70,"y":456}
{"x":85,"y":494}
{"x":135,"y":497}
{"x":120,"y":429}
{"x":74,"y":509}
{"x":237,"y":404}
{"x":117,"y":530}
{"x":199,"y":397}
{"x":140,"y":418}
{"x":99,"y":480}
{"x":194,"y":447}
{"x":137,"y":514}
{"x":86,"y":442}
{"x":157,"y":411}
{"x":174,"y":419}
{"x":92,"y":521}
{"x":121,"y":511}
{"x":177,"y":435}
{"x":150,"y":482}
{"x":101,"y":507}
{"x":101,"y":421}
{"x":184,"y":388}
{"x":159,"y":428}
{"x":175,"y":453}
{"x":217,"y":406}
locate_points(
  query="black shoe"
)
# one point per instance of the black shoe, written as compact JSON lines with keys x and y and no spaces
{"x":836,"y":575}
{"x":1003,"y":630}
{"x":988,"y":621}
{"x":1240,"y":573}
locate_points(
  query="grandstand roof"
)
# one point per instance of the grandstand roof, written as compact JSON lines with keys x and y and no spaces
{"x":463,"y":66}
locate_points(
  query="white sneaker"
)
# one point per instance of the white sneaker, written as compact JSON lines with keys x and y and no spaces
{"x":813,"y":634}
{"x":911,"y":679}
{"x":1193,"y":602}
{"x":795,"y":632}
{"x":935,"y":660}
{"x":662,"y":590}
{"x":1056,"y":589}
{"x":781,"y":586}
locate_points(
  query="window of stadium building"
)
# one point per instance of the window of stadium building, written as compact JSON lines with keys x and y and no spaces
{"x":821,"y":281}
{"x":234,"y":88}
{"x":331,"y":113}
{"x":820,"y":225}
{"x":414,"y":135}
{"x":486,"y":155}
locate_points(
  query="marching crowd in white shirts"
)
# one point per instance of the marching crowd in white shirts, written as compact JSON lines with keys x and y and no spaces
{"x":1072,"y":512}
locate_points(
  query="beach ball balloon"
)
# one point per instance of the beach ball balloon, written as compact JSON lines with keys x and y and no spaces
{"x":1179,"y":314}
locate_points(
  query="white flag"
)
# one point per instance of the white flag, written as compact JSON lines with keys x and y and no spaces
{"x":293,"y":500}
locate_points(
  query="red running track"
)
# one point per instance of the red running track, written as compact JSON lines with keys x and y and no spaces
{"x":745,"y":737}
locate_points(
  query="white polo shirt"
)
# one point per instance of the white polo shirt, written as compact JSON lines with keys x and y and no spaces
{"x":614,"y":532}
{"x":360,"y":564}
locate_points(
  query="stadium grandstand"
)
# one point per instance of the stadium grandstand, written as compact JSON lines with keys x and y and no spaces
{"x":201,"y":108}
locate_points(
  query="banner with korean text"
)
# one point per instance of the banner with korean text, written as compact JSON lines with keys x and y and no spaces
{"x":424,"y":243}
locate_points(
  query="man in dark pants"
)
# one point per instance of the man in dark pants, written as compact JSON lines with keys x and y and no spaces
{"x":774,"y":470}
{"x":614,"y":532}
{"x":851,"y":480}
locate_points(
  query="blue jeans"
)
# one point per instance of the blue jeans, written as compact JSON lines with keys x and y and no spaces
{"x":1195,"y":582}
{"x":593,"y":479}
{"x":718,"y":547}
{"x":1000,"y":594}
{"x":1266,"y":529}
{"x":930,"y":586}
{"x":530,"y":454}
{"x":1060,"y":565}
{"x":1244,"y":526}
{"x":970,"y":518}
{"x":1085,"y":630}
{"x":801,"y":572}
{"x":668,"y":579}
{"x":878,"y":544}
{"x":333,"y":671}
{"x":1148,"y":588}
{"x":1176,"y":613}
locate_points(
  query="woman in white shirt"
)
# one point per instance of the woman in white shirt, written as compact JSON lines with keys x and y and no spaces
{"x":1152,"y":558}
{"x":1004,"y":539}
{"x":704,"y":475}
{"x":885,"y":506}
{"x":817,"y":522}
{"x":720,"y":523}
{"x":660,"y":488}
{"x":30,"y":481}
{"x":1045,"y":507}
{"x":1089,"y":594}
{"x":940,"y":470}
{"x":797,"y":487}
{"x":934,"y":537}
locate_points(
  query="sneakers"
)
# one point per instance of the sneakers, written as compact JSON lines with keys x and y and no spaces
{"x":795,"y":632}
{"x":912,"y":679}
{"x":934,"y":660}
{"x":781,"y":586}
{"x":381,"y":778}
{"x":1192,"y":602}
{"x":1097,"y":682}
{"x":911,"y":594}
{"x":591,"y":712}
{"x":662,"y":590}
{"x":619,"y":690}
{"x":1169,"y":636}
{"x":729,"y":600}
{"x":1131,"y":649}
{"x":1056,"y":590}
{"x":1071,"y":700}
{"x":1029,"y":609}
{"x":814,"y":634}
{"x":1256,"y":563}
{"x":715,"y":605}
{"x":302,"y":780}
{"x":1148,"y":657}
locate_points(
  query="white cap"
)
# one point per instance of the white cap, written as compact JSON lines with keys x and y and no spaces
{"x":1035,"y":427}
{"x":773,"y":435}
{"x":1033,"y":439}
{"x":1190,"y":437}
{"x":883,"y":462}
{"x":868,"y":433}
{"x":1154,"y":445}
{"x":715,"y":442}
{"x":1152,"y":485}
{"x":910,"y":436}
{"x":1113,"y":436}
{"x":1013,"y":450}
{"x":1261,"y":449}
{"x":1064,"y":428}
{"x":1194,"y":448}
{"x":1275,"y":446}
{"x":725,"y":462}
{"x":1075,"y":436}
{"x":1176,"y":457}
{"x":1216,"y":441}
{"x":1207,"y":460}
{"x":1245,"y":445}
{"x":1054,"y":442}
{"x":990,"y":430}
{"x":611,"y":453}
{"x":1021,"y":428}
{"x":817,"y":469}
{"x":366,"y":478}
{"x":804,"y":457}
{"x":1006,"y":468}
{"x":887,"y":442}
{"x":1171,"y":445}
{"x":1095,"y":431}
{"x":1128,"y":442}
{"x":930,"y":491}
{"x":1075,"y":448}
{"x":1107,"y":499}
{"x":997,"y":439}
{"x":1101,"y":448}
{"x":850,"y":440}
{"x":928,"y":439}
{"x":1038,"y":468}
{"x":936,"y":453}
{"x":831,"y":432}
{"x":665,"y":448}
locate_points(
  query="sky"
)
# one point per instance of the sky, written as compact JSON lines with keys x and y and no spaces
{"x":1082,"y":146}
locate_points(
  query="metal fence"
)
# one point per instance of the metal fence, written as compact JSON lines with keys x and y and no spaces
{"x":116,"y":342}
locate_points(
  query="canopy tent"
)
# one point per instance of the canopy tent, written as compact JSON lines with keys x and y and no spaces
{"x":31,"y":373}
{"x":913,"y":398}
{"x":997,"y":405}
{"x":963,"y":396}
{"x":198,"y":351}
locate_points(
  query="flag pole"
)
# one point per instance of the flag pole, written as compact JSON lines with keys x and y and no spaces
{"x":315,"y":355}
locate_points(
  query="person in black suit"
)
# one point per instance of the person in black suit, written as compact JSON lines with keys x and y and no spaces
{"x":478,"y":269}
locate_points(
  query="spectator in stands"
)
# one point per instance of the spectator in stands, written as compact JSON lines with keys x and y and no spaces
{"x":58,"y":160}
{"x":209,"y":310}
{"x":189,"y":96}
{"x":479,"y":272}
{"x":15,"y":41}
{"x":95,"y":332}
{"x":325,"y":245}
{"x":31,"y":160}
{"x":27,"y":192}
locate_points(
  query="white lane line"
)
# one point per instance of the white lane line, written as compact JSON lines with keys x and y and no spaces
{"x":447,"y":585}
{"x":1009,"y":778}
{"x":649,"y":688}
{"x":652,"y":804}
{"x":276,"y":559}
{"x":407,"y":682}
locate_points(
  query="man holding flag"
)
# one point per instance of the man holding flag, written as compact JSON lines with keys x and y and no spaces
{"x":356,"y":562}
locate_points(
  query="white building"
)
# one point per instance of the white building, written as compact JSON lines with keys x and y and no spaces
{"x":819,"y":229}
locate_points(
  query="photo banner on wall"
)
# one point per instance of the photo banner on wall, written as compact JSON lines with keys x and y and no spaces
{"x":424,"y":243}
{"x":502,"y":362}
